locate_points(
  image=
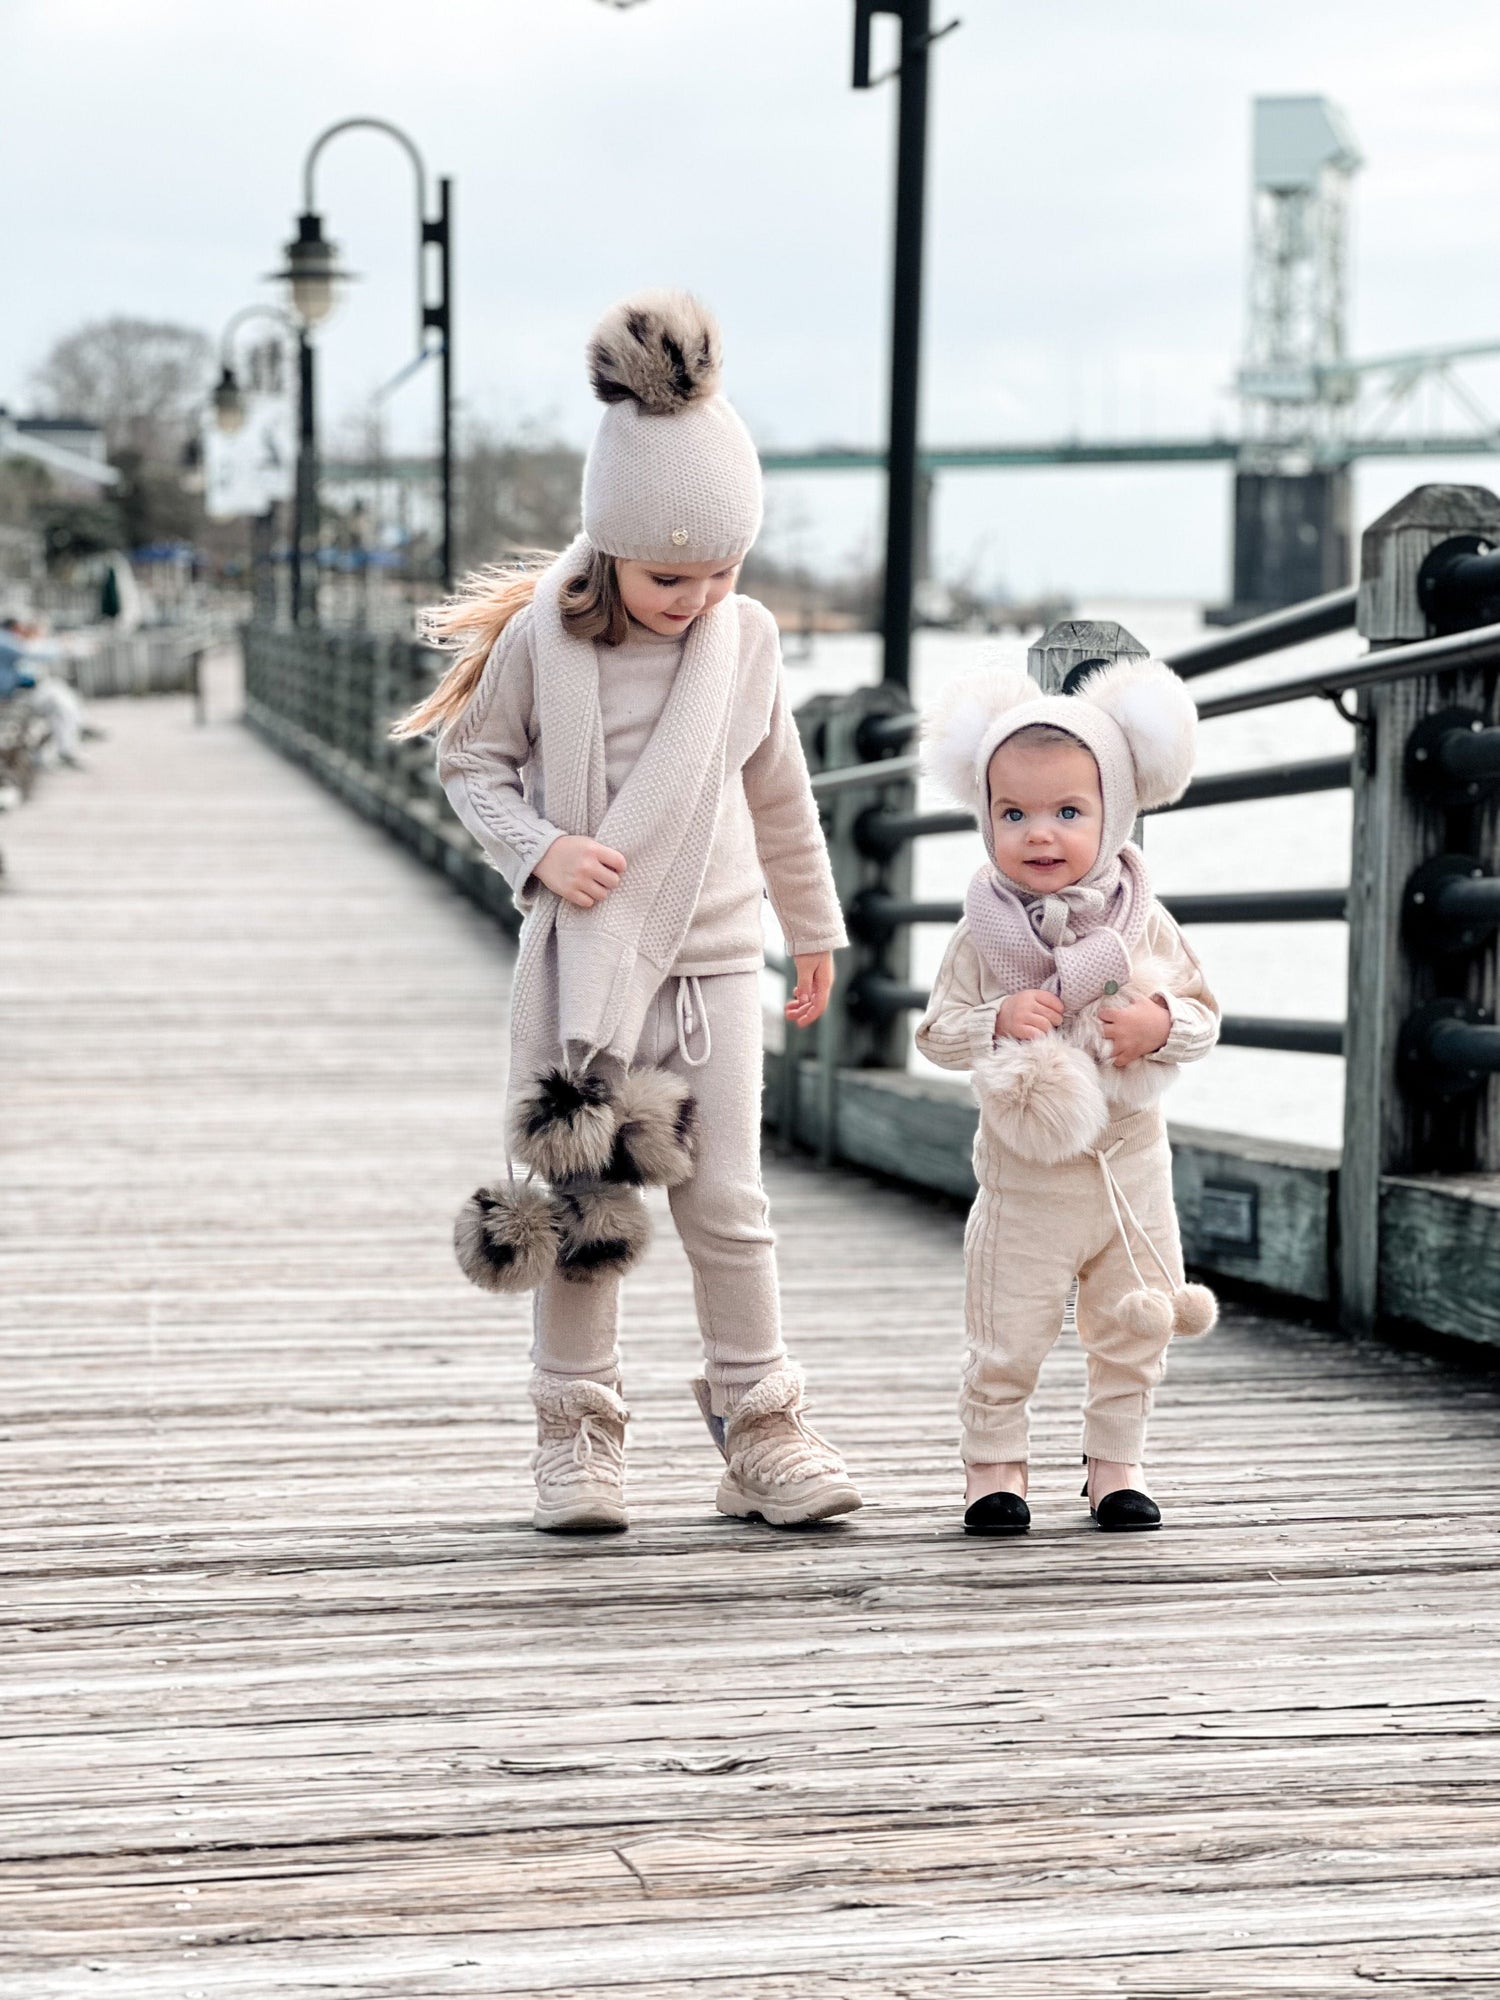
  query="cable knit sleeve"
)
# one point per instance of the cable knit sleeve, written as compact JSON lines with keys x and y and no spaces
{"x":485,"y":760}
{"x":959,"y":1025}
{"x":789,"y":839}
{"x":1194,"y":1010}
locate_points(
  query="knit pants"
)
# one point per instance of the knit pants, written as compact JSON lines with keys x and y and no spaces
{"x":721,"y":1213}
{"x":1031,"y":1232}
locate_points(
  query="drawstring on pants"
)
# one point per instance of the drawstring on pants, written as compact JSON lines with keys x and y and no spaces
{"x":691,"y":1010}
{"x":1115,"y":1195}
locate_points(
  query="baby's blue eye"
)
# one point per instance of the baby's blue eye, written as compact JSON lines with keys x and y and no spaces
{"x":1013,"y":814}
{"x":1068,"y":812}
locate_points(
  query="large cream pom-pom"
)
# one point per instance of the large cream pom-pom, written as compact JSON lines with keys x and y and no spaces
{"x":1041,"y":1099}
{"x":1158,"y":719}
{"x":955,"y":727}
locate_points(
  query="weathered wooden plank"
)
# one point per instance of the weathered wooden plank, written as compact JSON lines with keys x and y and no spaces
{"x":295,"y":1702}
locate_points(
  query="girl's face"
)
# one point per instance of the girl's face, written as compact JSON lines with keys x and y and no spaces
{"x":1046,"y":813}
{"x":667,"y":599}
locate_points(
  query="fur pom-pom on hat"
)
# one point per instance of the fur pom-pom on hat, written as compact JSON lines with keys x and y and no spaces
{"x":506,"y":1238}
{"x":1158,"y":719}
{"x":564,"y":1126}
{"x":659,"y":349}
{"x":964,"y":715}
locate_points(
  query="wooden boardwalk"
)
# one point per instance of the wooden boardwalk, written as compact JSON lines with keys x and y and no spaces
{"x":294,"y":1703}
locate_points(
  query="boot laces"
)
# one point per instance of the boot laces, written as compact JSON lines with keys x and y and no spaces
{"x":577,"y":1452}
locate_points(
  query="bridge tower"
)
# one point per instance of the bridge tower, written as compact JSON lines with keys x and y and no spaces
{"x":1292,"y":497}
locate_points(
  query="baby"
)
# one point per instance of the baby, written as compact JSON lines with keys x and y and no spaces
{"x":1072,"y":997}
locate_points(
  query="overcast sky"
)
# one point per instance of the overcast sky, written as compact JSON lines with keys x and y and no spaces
{"x":1089,"y":197}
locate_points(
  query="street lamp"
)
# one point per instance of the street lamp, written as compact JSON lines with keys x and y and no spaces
{"x":228,"y":397}
{"x":312,"y":273}
{"x":230,"y":411}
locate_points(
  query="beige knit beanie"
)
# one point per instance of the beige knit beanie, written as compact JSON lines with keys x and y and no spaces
{"x":672,"y":475}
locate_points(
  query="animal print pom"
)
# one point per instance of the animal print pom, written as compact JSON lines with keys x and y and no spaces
{"x":506,"y":1238}
{"x":660,"y":349}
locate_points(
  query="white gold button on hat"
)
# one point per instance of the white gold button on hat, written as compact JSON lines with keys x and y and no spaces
{"x":679,"y":537}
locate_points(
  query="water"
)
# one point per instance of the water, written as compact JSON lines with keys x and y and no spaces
{"x":1301,"y":843}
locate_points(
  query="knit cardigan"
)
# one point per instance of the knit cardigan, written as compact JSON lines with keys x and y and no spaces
{"x":533,"y":731}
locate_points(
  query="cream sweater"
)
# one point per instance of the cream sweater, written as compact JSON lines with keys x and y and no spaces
{"x":493,"y":765}
{"x":959,"y":1025}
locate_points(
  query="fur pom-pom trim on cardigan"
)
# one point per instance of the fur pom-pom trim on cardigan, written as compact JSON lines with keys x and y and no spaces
{"x":659,"y":349}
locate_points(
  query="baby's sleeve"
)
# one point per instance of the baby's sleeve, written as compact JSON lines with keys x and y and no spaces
{"x":483,"y":758}
{"x":1184,"y":992}
{"x":958,"y":1029}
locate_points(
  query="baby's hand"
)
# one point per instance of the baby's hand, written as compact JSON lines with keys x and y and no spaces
{"x":1027,"y":1015}
{"x":1136,"y":1030}
{"x":580,"y":870}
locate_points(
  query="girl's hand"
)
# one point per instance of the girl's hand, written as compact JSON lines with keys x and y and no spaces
{"x":814,"y":985}
{"x":1135,"y":1031}
{"x":580,"y":870}
{"x":1027,"y":1015}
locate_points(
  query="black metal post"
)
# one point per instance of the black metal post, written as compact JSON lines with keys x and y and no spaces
{"x":305,"y":510}
{"x":906,"y":338}
{"x":440,"y":317}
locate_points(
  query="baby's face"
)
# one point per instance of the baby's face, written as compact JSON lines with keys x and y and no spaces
{"x":1046,"y":813}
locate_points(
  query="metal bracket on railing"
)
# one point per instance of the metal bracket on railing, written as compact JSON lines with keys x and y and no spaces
{"x":1452,"y":758}
{"x":1448,"y":1049}
{"x":1451,"y":905}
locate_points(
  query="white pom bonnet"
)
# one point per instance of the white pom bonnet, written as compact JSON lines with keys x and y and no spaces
{"x":1135,"y":718}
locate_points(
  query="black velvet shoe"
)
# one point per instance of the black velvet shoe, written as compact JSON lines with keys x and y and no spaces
{"x":997,"y":1514}
{"x":1125,"y":1509}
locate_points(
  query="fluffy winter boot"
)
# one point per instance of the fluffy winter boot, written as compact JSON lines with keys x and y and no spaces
{"x":776,"y":1465}
{"x":579,"y":1461}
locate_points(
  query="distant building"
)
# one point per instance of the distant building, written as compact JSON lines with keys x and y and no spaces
{"x":72,"y":449}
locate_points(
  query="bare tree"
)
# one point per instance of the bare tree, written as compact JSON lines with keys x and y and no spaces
{"x":516,"y":492}
{"x":143,"y":380}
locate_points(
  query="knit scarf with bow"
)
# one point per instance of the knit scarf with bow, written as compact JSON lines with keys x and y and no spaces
{"x":1076,"y":942}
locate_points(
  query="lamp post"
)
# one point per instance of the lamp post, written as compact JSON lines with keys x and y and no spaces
{"x":902,"y":495}
{"x":229,"y":417}
{"x":313,"y":273}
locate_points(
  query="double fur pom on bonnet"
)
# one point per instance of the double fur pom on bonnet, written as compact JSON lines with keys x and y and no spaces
{"x":1135,"y":707}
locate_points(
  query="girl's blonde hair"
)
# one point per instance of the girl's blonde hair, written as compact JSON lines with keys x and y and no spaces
{"x":468,"y":624}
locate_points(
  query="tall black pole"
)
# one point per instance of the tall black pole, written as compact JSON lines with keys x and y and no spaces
{"x":445,"y":268}
{"x":906,"y":336}
{"x":305,"y":514}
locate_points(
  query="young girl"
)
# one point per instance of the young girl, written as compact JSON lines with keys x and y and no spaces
{"x":1071,"y":995}
{"x":616,"y":735}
